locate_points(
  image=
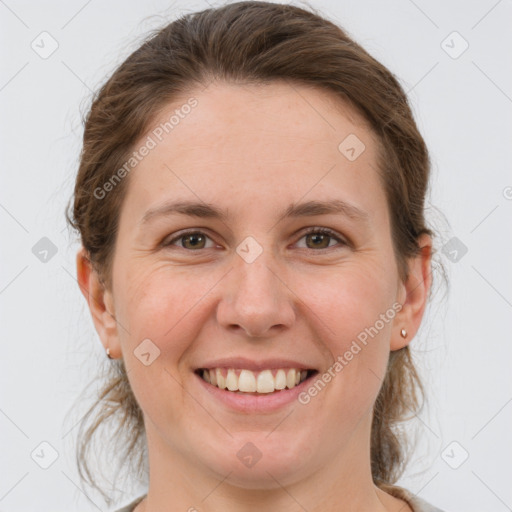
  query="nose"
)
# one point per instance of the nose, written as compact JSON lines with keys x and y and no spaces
{"x":256,"y":299}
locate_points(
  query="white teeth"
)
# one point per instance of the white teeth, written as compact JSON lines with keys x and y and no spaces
{"x":246,"y":381}
{"x":232,"y":380}
{"x":280,"y":379}
{"x":250,"y":382}
{"x":290,"y":378}
{"x":266,"y":382}
{"x":221,"y":381}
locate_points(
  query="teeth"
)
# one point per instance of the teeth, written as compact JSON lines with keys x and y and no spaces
{"x":266,"y":382}
{"x":280,"y":379}
{"x":232,"y":381}
{"x":247,"y":381}
{"x":221,"y":381}
{"x":290,"y":379}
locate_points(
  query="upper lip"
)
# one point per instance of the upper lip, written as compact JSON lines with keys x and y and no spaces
{"x":250,"y":364}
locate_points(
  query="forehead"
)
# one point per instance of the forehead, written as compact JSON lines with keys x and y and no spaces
{"x":256,"y":141}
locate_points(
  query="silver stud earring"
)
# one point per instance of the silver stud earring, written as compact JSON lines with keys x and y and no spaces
{"x":403,"y":333}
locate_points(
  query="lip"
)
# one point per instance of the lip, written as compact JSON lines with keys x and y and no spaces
{"x":254,"y":404}
{"x":249,"y":364}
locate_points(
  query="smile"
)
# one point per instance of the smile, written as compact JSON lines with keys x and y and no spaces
{"x":244,"y":381}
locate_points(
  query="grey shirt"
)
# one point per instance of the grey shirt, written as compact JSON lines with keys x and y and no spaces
{"x":417,"y":504}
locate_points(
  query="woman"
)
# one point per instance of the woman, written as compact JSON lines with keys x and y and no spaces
{"x":256,"y":261}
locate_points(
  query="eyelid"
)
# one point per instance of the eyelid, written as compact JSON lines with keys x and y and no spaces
{"x":180,"y":234}
{"x":326,"y":231}
{"x":312,"y":229}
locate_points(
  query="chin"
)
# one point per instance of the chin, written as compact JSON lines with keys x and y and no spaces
{"x":257,"y":462}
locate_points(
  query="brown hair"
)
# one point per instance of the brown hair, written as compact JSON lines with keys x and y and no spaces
{"x":251,"y":43}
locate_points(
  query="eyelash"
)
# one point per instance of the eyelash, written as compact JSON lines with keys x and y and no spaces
{"x":315,"y":230}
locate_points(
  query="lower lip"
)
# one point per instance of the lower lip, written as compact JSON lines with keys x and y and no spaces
{"x":262,"y":403}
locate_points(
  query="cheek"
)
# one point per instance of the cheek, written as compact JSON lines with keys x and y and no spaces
{"x":353,"y":315}
{"x":166,"y":306}
{"x":348,"y":301}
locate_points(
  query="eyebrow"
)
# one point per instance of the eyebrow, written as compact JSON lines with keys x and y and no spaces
{"x":305,"y":209}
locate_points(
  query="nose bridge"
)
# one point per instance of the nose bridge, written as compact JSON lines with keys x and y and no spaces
{"x":256,"y":299}
{"x":256,"y":281}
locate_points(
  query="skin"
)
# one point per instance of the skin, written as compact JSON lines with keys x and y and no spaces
{"x":252,"y":151}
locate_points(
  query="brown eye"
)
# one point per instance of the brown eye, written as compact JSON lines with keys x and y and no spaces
{"x":316,"y":238}
{"x":191,"y":240}
{"x":320,"y":238}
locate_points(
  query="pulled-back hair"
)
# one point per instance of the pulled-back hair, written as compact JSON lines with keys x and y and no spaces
{"x":250,"y":43}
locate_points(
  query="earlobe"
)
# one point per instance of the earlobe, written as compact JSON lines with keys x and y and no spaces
{"x":100,"y":303}
{"x":414,"y":293}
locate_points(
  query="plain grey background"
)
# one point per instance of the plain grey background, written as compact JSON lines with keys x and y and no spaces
{"x":453,"y":60}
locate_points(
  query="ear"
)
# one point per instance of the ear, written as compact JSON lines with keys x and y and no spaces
{"x":100,"y":302}
{"x":413,"y":295}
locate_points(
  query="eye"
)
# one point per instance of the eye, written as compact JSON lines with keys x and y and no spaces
{"x":189,"y":240}
{"x":321,"y":237}
{"x":316,"y":238}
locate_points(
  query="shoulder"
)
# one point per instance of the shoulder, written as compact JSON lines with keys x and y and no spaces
{"x":131,"y":505}
{"x":415,"y":502}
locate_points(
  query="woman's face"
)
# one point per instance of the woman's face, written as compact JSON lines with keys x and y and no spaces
{"x":245,"y":281}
